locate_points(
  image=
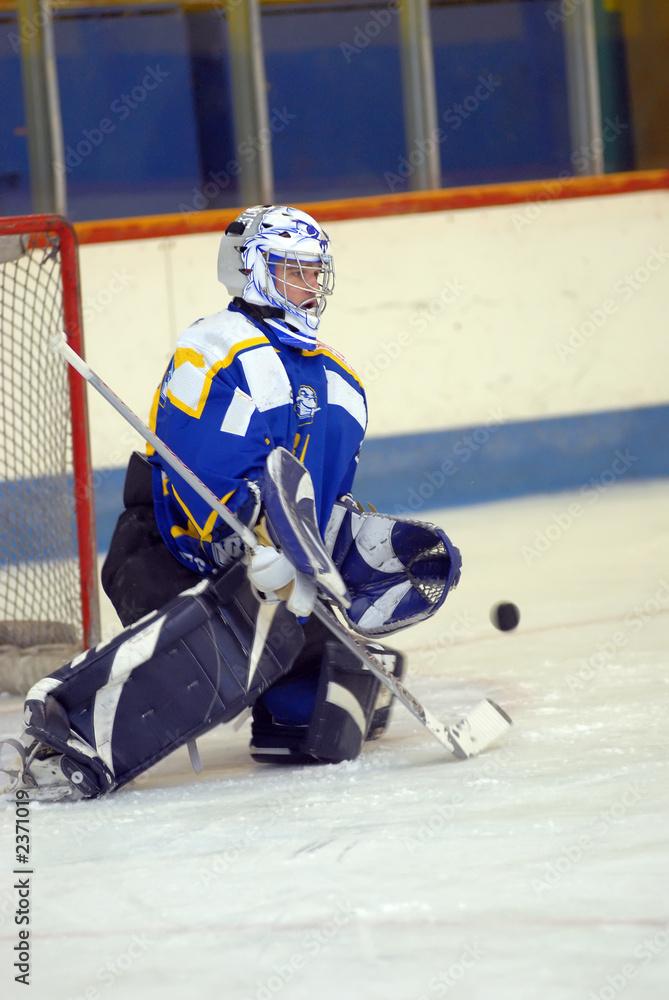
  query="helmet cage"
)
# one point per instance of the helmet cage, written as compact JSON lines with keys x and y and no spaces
{"x":310,"y":274}
{"x":277,"y":245}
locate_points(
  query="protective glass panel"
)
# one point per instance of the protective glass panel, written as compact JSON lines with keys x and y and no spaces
{"x":335,"y":98}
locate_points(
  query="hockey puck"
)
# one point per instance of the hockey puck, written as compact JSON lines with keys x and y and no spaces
{"x":505,"y":616}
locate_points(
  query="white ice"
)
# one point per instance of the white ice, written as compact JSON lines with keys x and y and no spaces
{"x":539,"y":870}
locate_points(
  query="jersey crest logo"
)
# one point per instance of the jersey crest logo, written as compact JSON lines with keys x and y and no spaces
{"x":306,"y":404}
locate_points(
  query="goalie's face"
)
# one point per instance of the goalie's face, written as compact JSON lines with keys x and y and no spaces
{"x":303,"y":282}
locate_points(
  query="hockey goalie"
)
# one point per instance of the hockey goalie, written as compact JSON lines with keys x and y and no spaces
{"x":271,"y":420}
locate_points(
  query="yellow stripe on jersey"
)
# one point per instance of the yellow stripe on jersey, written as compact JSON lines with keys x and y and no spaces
{"x":190,"y":532}
{"x":304,"y":450}
{"x":153,"y":416}
{"x":204,"y":533}
{"x":194,"y":383}
{"x":189,"y":354}
{"x":334,"y":357}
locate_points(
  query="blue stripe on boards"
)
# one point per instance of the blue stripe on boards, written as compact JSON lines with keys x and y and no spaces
{"x":496,"y":461}
{"x":405,"y":474}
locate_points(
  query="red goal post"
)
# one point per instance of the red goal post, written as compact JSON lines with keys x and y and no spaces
{"x":48,"y":572}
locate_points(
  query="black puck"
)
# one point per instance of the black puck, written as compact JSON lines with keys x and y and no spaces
{"x":505,"y":616}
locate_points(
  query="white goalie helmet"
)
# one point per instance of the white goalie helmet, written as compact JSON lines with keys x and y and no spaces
{"x":270,"y":249}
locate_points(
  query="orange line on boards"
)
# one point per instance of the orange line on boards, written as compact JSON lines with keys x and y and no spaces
{"x":374,"y":206}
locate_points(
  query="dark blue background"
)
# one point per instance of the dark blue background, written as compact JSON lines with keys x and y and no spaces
{"x":347,"y":132}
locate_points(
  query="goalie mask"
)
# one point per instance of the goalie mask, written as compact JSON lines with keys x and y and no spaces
{"x":277,"y":256}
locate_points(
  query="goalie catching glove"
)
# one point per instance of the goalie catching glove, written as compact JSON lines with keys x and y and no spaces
{"x":397,"y":571}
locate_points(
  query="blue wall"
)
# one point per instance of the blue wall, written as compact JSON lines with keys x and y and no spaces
{"x":14,"y":182}
{"x":334,"y":75}
{"x":521,"y":130}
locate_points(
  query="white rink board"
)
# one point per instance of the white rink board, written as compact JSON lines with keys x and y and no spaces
{"x":536,"y":872}
{"x":516,"y":312}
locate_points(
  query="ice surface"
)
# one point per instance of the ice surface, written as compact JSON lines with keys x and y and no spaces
{"x":539,"y":870}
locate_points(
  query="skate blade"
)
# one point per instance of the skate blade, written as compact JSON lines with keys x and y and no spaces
{"x":50,"y":793}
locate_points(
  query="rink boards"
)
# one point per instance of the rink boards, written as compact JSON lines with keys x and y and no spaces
{"x":505,"y":350}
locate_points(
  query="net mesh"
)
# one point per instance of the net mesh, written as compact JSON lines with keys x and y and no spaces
{"x":39,"y":577}
{"x":426,"y":572}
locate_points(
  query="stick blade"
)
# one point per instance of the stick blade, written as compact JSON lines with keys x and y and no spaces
{"x":485,"y":724}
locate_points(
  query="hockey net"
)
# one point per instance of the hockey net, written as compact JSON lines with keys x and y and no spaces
{"x":48,"y":575}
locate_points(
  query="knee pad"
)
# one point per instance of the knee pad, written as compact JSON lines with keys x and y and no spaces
{"x":199,"y":661}
{"x":395,"y":663}
{"x":323,"y":714}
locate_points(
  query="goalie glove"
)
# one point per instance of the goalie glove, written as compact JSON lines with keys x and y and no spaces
{"x":292,"y":525}
{"x":397,"y":571}
{"x":273,"y":575}
{"x":292,"y":564}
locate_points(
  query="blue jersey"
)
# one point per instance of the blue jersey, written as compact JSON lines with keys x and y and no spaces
{"x":231,"y":393}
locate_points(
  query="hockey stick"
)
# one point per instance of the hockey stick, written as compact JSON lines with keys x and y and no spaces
{"x":472,"y":734}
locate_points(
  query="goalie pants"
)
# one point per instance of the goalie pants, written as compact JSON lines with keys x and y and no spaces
{"x":140,"y":574}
